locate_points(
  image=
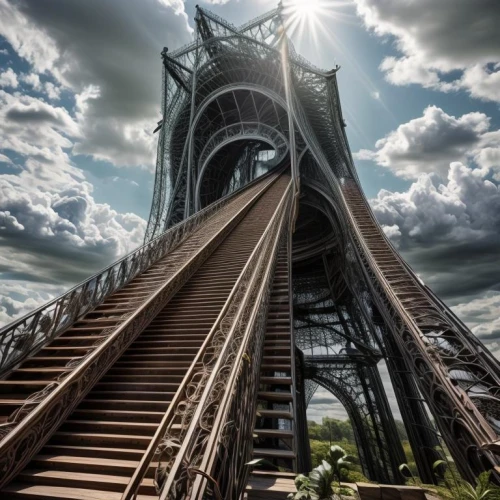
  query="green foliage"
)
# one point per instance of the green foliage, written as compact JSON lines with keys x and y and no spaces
{"x":302,"y":485}
{"x":319,"y":450}
{"x":406,"y":471}
{"x":455,"y":488}
{"x":484,"y":489}
{"x":318,"y":486}
{"x":345,"y":492}
{"x":338,"y":460}
{"x":320,"y":481}
{"x":262,"y":464}
{"x":331,"y":430}
{"x":353,"y":476}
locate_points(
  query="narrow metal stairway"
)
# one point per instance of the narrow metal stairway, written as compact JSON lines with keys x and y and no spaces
{"x":95,"y":452}
{"x":274,"y":427}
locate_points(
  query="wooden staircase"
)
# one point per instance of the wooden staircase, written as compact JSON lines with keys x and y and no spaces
{"x":274,"y":426}
{"x":95,"y":452}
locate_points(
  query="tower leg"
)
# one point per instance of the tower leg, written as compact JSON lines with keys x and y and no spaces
{"x":301,"y":430}
{"x":421,"y":433}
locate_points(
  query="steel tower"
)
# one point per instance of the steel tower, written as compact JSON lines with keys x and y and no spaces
{"x":237,"y":102}
{"x":264,"y":274}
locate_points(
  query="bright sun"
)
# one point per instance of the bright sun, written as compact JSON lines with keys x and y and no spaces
{"x":305,"y":16}
{"x":308,"y":17}
{"x":304,"y":7}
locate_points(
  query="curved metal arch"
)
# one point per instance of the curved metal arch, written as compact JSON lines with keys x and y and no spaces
{"x":188,"y":143}
{"x":355,"y":381}
{"x":237,"y":137}
{"x":218,"y":93}
{"x":356,"y":421}
{"x":338,"y":222}
{"x":215,"y":95}
{"x":230,"y":88}
{"x":318,"y":247}
{"x":301,"y":156}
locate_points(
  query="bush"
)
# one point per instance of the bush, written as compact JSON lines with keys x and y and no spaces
{"x":353,"y":476}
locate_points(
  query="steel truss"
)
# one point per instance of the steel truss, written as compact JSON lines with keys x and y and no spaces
{"x":354,"y":379}
{"x":238,"y":101}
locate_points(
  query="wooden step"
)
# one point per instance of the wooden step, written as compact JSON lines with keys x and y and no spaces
{"x":273,"y":433}
{"x":73,"y":479}
{"x":272,"y":453}
{"x":101,"y":440}
{"x":18,"y":491}
{"x":274,"y":414}
{"x":276,"y":380}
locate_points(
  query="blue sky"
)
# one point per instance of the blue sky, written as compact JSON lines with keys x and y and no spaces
{"x":80,"y":96}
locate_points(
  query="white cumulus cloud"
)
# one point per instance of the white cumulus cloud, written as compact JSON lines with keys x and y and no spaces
{"x":435,"y":38}
{"x":8,"y":78}
{"x":428,"y":144}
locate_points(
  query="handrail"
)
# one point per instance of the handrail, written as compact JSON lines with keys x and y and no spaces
{"x":295,"y":421}
{"x":197,"y":384}
{"x":225,"y":450}
{"x":433,"y":372}
{"x":26,"y":335}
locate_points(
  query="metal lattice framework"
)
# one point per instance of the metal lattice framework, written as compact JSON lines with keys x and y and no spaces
{"x":236,"y":102}
{"x":354,"y":379}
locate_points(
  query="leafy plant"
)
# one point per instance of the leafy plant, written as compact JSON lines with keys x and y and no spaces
{"x":338,"y":459}
{"x":302,"y":485}
{"x":406,"y":471}
{"x":262,"y":464}
{"x":318,"y":486}
{"x":320,"y":481}
{"x":484,"y":490}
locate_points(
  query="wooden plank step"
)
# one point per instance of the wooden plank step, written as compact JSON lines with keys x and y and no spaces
{"x":275,"y":396}
{"x":173,"y":378}
{"x":101,"y":440}
{"x":273,"y":433}
{"x":17,"y":491}
{"x":272,"y":453}
{"x":276,"y":380}
{"x":276,"y":367}
{"x":80,"y":480}
{"x":127,"y":454}
{"x":274,"y":414}
{"x":89,"y":464}
{"x":124,"y":404}
{"x":108,"y":426}
{"x":133,"y":395}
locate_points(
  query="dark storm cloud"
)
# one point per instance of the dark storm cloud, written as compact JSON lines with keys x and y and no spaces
{"x":456,"y":272}
{"x":447,"y":224}
{"x":31,"y":115}
{"x":325,"y":400}
{"x":114,"y":44}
